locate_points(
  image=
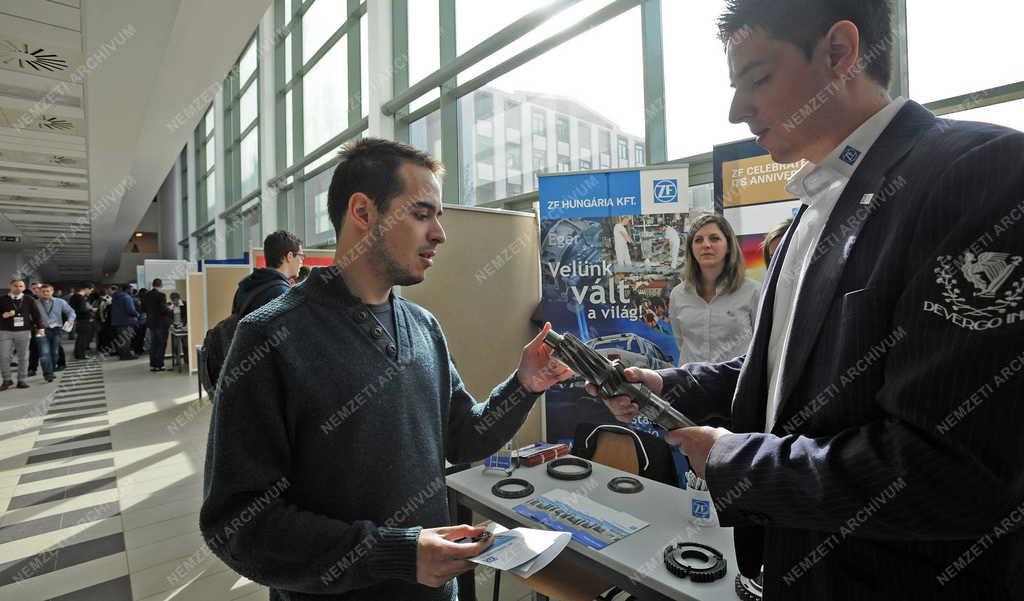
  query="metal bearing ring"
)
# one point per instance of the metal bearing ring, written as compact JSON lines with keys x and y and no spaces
{"x":571,"y":474}
{"x":710,"y":564}
{"x":625,"y":485}
{"x":499,"y":489}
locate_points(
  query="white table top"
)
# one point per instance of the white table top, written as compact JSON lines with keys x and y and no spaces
{"x":639,"y":555}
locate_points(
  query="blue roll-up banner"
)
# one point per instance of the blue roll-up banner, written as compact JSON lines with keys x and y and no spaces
{"x":611,"y":252}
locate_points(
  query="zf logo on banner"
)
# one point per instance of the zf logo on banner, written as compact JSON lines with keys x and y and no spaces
{"x":665,"y":191}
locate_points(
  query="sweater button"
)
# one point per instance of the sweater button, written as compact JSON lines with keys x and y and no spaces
{"x":377,"y":331}
{"x":361,"y":316}
{"x":392,"y":351}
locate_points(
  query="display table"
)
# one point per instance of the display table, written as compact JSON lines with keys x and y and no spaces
{"x":634,"y":563}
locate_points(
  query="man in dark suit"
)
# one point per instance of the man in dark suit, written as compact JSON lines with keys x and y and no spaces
{"x":158,"y":321}
{"x":85,"y":320}
{"x":871,"y":444}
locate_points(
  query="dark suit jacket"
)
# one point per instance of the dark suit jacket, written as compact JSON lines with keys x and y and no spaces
{"x":897,"y":454}
{"x":80,"y":305}
{"x":158,"y":314}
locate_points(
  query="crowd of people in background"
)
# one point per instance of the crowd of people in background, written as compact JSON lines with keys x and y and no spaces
{"x":120,"y":320}
{"x":126,"y":322}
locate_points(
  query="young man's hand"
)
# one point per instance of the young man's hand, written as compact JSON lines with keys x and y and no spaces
{"x":439,"y":558}
{"x":538,"y":368}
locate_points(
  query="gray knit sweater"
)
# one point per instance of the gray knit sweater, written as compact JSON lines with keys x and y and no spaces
{"x":327,"y":445}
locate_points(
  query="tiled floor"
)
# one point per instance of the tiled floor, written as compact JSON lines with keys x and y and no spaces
{"x":100,"y":486}
{"x":100,"y":489}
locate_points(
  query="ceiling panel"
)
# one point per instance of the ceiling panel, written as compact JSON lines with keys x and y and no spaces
{"x":44,"y":189}
{"x":56,"y":14}
{"x":44,"y":159}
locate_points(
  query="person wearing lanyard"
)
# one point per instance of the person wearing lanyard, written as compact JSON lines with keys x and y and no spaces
{"x":55,"y":312}
{"x":872,"y":447}
{"x":712,"y":311}
{"x":19,"y":317}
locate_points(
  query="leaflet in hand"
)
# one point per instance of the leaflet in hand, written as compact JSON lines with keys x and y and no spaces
{"x":523,"y":551}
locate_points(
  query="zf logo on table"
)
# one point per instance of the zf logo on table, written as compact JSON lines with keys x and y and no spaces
{"x":701,"y":509}
{"x":665,"y":191}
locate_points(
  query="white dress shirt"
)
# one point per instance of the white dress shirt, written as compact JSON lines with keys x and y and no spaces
{"x":819,"y":187}
{"x":715,"y":331}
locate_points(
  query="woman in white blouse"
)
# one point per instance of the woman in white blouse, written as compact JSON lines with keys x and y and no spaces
{"x":712,"y":311}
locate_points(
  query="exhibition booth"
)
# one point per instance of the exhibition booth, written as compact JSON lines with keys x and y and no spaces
{"x":501,"y":274}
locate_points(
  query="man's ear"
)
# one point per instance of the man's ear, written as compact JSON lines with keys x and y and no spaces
{"x":360,"y":207}
{"x":843,"y":46}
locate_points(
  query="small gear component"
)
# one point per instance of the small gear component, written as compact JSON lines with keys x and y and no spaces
{"x":749,"y":589}
{"x":625,"y":485}
{"x":512,"y":488}
{"x":578,"y":469}
{"x":699,"y":563}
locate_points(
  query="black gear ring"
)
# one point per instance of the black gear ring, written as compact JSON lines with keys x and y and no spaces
{"x":559,"y":474}
{"x":675,"y":556}
{"x":625,"y":485}
{"x":499,"y":489}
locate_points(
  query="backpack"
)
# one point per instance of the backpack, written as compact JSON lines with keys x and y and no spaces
{"x":218,"y":340}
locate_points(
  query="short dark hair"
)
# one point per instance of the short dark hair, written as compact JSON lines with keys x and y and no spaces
{"x":371,"y":166}
{"x":804,"y":22}
{"x":158,"y":283}
{"x":277,"y":245}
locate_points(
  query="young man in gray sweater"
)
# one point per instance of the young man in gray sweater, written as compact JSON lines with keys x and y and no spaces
{"x":339,"y":403}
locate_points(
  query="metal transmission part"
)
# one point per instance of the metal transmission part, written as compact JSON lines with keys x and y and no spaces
{"x":749,"y":589}
{"x":610,"y":380}
{"x":700,"y":563}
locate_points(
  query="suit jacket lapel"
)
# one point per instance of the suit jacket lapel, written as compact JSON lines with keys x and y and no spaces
{"x":748,"y":407}
{"x":747,"y":416}
{"x":859,"y":200}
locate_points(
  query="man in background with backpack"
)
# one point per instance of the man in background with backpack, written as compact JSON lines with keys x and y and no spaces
{"x":283,"y":252}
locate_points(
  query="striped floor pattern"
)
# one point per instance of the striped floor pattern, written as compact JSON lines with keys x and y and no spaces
{"x":63,"y":519}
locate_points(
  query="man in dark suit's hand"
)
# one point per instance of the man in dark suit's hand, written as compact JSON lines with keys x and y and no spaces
{"x":694,"y":442}
{"x":622,"y":407}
